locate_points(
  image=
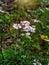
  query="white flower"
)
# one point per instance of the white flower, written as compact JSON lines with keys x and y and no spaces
{"x":32,"y":29}
{"x":26,"y":28}
{"x":29,"y":29}
{"x":17,"y":26}
{"x":26,"y":25}
{"x":27,"y":34}
{"x":35,"y":20}
{"x":25,"y":22}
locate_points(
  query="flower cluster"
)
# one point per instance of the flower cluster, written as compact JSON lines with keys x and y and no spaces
{"x":17,"y":26}
{"x":25,"y":25}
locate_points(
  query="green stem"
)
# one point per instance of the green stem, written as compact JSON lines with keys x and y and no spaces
{"x":1,"y":49}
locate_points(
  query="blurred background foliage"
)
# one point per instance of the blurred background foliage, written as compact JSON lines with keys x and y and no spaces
{"x":18,"y":49}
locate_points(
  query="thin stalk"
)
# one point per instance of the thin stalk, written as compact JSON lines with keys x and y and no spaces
{"x":1,"y":49}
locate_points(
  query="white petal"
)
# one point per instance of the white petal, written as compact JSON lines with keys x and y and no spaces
{"x":19,"y":26}
{"x":15,"y":26}
{"x":26,"y":25}
{"x":26,"y":29}
{"x":32,"y":29}
{"x":25,"y":22}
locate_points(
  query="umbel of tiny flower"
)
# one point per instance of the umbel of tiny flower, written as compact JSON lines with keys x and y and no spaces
{"x":17,"y":26}
{"x":29,"y":29}
{"x":25,"y":25}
